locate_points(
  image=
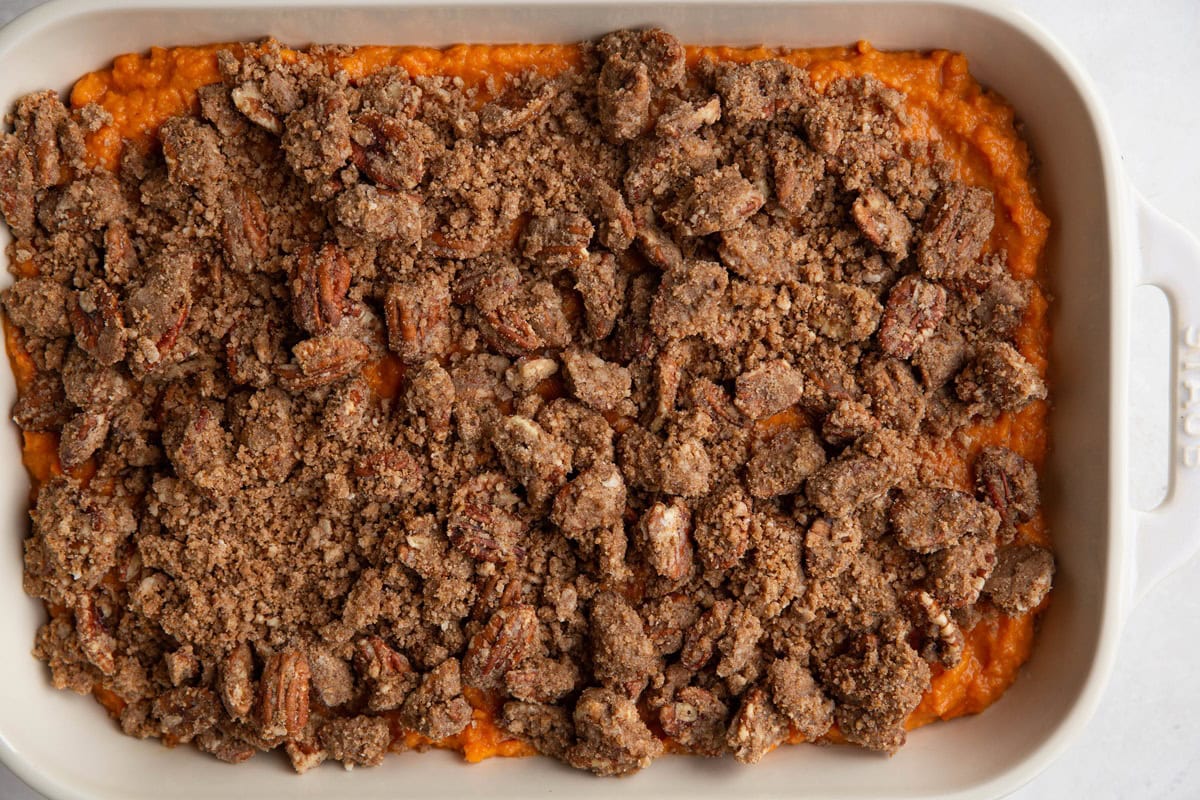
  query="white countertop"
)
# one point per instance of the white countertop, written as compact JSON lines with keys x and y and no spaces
{"x":1144,"y":740}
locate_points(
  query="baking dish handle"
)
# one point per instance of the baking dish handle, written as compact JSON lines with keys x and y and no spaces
{"x":1169,"y":535}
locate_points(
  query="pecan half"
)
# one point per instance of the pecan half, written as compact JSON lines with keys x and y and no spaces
{"x":244,"y":231}
{"x":323,"y":360}
{"x":182,"y":714}
{"x":249,"y":100}
{"x":695,"y":719}
{"x":389,"y":674}
{"x":319,"y":280}
{"x":508,"y":639}
{"x":700,"y":642}
{"x":81,"y":437}
{"x":557,"y":240}
{"x":235,"y":681}
{"x":98,"y":324}
{"x":479,"y":526}
{"x":417,"y":314}
{"x":756,"y":728}
{"x":665,"y":528}
{"x":723,"y":527}
{"x":120,"y":257}
{"x":388,"y":150}
{"x":16,"y":186}
{"x":94,"y":639}
{"x":283,"y":695}
{"x":516,"y":108}
{"x":912,"y":313}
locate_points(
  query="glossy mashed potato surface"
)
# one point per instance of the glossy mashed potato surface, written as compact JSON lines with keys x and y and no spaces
{"x":944,"y":105}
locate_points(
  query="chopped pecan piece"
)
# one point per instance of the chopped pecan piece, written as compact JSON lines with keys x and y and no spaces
{"x":249,"y":100}
{"x":316,"y":137}
{"x":682,"y":117}
{"x":225,"y":746}
{"x":595,"y":498}
{"x":387,"y":672}
{"x":120,"y":256}
{"x":877,"y":685}
{"x":959,"y":572}
{"x":94,"y":639}
{"x":431,"y":396}
{"x":723,"y":527}
{"x":848,"y":482}
{"x":830,"y":546}
{"x":42,"y":405}
{"x":700,"y":641}
{"x":517,"y":107}
{"x":760,"y":90}
{"x":531,"y":455}
{"x":356,"y":741}
{"x":541,"y":680}
{"x":848,"y":420}
{"x":947,"y":640}
{"x":781,"y":464}
{"x":380,"y":214}
{"x":760,"y":251}
{"x":17,"y":192}
{"x":940,"y":357}
{"x":622,"y":654}
{"x":797,"y":172}
{"x":549,"y":728}
{"x":235,"y":682}
{"x":597,"y":383}
{"x":602,"y":288}
{"x":844,"y":313}
{"x":185,"y":713}
{"x":661,"y":52}
{"x":81,"y":437}
{"x":897,"y":400}
{"x":192,"y":150}
{"x":39,"y":307}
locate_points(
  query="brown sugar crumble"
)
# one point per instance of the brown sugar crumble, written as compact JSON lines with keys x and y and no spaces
{"x":602,"y":404}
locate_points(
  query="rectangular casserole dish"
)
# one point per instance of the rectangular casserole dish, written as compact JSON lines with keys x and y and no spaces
{"x":65,"y":745}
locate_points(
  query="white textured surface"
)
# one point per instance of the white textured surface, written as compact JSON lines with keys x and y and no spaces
{"x":1146,"y":65}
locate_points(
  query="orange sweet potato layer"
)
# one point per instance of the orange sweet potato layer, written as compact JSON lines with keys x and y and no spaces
{"x":945,"y":105}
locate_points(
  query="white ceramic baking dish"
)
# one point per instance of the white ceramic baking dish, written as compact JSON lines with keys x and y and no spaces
{"x":1105,"y":242}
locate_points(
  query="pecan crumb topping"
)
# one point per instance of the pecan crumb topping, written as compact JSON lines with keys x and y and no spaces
{"x":610,"y":400}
